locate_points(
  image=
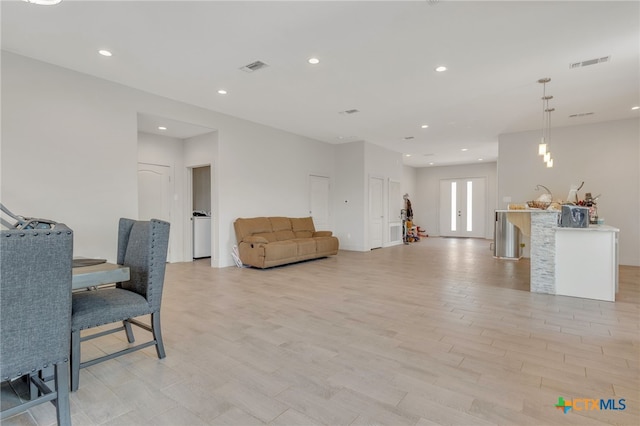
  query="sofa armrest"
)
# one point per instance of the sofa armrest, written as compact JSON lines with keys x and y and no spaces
{"x":322,"y":234}
{"x":255,"y":240}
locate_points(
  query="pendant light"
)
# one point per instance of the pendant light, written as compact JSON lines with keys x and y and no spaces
{"x":543,"y":146}
{"x":548,"y":110}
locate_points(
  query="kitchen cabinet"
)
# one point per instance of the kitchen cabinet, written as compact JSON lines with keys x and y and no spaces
{"x":586,"y":262}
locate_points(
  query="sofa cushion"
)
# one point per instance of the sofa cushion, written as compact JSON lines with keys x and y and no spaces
{"x":306,"y":246}
{"x":284,"y":235}
{"x":302,"y":224}
{"x":280,"y":224}
{"x":247,"y":227}
{"x":302,"y":227}
{"x":326,"y":245}
{"x":280,"y":250}
{"x":254,"y":239}
{"x":269,"y":236}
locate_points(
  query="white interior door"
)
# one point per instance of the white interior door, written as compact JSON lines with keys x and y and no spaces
{"x":154,"y":193}
{"x":376,"y":212}
{"x":319,"y":194}
{"x":463,"y":207}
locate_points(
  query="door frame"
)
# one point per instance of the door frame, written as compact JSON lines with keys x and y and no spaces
{"x":172,"y":249}
{"x":483,"y":209}
{"x":382,"y":211}
{"x":188,"y":212}
{"x":311,"y":175}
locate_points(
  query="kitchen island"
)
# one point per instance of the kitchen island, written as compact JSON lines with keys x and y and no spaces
{"x":578,"y":262}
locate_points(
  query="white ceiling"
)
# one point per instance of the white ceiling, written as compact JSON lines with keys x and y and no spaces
{"x":377,"y":57}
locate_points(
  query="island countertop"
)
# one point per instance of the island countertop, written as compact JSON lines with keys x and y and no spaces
{"x":597,"y":228}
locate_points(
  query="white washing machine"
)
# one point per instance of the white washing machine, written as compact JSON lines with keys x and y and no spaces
{"x":201,"y":236}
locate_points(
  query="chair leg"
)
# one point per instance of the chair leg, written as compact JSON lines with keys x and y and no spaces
{"x":75,"y":360}
{"x":127,"y":329}
{"x":33,"y":389}
{"x":63,"y":410}
{"x":157,"y":334}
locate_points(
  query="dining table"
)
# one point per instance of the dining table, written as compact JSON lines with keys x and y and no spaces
{"x":88,"y":274}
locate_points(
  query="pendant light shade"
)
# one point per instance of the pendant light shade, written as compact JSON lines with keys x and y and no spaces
{"x":542,"y":148}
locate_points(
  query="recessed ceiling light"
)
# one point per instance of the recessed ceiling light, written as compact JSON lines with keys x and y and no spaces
{"x":162,"y":128}
{"x":222,"y":92}
{"x":407,"y":155}
{"x":424,"y":126}
{"x":635,"y":108}
{"x":480,"y":159}
{"x":441,"y":68}
{"x":431,"y":164}
{"x":43,"y":2}
{"x":104,"y":52}
{"x":464,"y":149}
{"x":314,"y":61}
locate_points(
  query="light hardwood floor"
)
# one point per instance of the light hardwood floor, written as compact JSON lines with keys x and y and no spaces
{"x":436,"y":332}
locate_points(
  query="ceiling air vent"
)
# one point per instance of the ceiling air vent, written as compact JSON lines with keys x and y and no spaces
{"x":590,"y":62}
{"x":408,"y":138}
{"x":254,"y":66}
{"x":581,"y":114}
{"x":349,"y":111}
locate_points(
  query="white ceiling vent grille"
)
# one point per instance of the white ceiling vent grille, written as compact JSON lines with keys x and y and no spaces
{"x":254,"y":66}
{"x":349,"y":111}
{"x":581,"y":114}
{"x":590,"y":62}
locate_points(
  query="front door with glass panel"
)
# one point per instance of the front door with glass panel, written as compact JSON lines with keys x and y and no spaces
{"x":463,"y":207}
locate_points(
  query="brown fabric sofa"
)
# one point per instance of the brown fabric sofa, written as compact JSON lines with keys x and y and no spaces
{"x":264,"y":242}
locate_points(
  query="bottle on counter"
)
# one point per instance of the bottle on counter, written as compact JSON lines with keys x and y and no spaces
{"x":593,"y":208}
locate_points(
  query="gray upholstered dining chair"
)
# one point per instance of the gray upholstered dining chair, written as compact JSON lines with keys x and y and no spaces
{"x":35,"y":303}
{"x":142,"y":246}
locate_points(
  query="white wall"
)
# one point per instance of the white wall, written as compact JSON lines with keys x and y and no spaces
{"x":409,"y":181}
{"x":355,"y":163}
{"x":70,"y":153}
{"x":350,"y":196}
{"x":606,"y":156}
{"x":426,"y":201}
